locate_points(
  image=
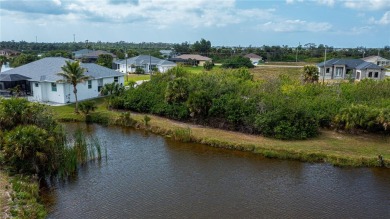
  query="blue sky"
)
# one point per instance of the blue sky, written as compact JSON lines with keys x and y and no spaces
{"x":338,"y":23}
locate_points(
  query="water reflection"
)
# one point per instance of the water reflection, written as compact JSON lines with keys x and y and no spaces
{"x":148,"y":176}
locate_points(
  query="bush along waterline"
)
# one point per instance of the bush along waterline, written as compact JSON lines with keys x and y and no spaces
{"x":34,"y":147}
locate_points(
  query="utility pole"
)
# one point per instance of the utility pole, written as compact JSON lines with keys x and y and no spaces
{"x":323,"y":74}
{"x":296,"y":55}
{"x":126,"y":67}
{"x":150,"y":66}
{"x":74,"y":38}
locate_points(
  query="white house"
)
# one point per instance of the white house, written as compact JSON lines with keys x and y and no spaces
{"x":377,"y":60}
{"x":350,"y":68}
{"x":255,"y":59}
{"x":145,"y":62}
{"x":45,"y":88}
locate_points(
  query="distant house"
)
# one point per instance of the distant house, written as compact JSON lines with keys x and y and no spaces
{"x":79,"y":54}
{"x":8,"y":53}
{"x":42,"y":86}
{"x":90,"y":56}
{"x":145,"y":62}
{"x":192,"y":59}
{"x":166,"y":53}
{"x":255,"y":59}
{"x":377,"y":60}
{"x":350,"y":68}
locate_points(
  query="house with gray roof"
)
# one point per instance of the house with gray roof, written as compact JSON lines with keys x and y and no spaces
{"x":80,"y":53}
{"x":146,"y":62}
{"x":44,"y":86}
{"x":88,"y":55}
{"x":350,"y":68}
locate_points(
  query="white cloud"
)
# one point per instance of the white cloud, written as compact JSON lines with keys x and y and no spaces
{"x":353,"y":4}
{"x":326,"y":2}
{"x":367,"y":5}
{"x":293,"y":1}
{"x":57,"y":2}
{"x":295,"y":26}
{"x":385,"y":20}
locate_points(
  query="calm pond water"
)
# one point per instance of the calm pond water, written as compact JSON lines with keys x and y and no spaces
{"x":148,"y":176}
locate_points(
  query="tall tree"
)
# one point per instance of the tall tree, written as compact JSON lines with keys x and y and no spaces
{"x":73,"y":73}
{"x":3,"y":60}
{"x":22,"y":59}
{"x":203,"y":46}
{"x":105,"y":60}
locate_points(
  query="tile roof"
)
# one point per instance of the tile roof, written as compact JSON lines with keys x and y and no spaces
{"x":145,"y":59}
{"x":46,"y":69}
{"x":95,"y":54}
{"x":194,"y":56}
{"x":252,"y":56}
{"x":350,"y":63}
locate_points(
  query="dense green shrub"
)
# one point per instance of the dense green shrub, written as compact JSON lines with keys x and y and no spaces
{"x":287,"y":124}
{"x":237,"y":62}
{"x":208,"y":65}
{"x":87,"y":106}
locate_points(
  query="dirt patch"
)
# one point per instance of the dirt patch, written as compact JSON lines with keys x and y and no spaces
{"x":4,"y":195}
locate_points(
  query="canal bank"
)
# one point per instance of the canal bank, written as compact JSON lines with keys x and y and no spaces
{"x":4,"y":195}
{"x":331,"y":147}
{"x":149,"y":176}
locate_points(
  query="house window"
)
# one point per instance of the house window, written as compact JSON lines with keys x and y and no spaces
{"x":376,"y":74}
{"x":116,"y":79}
{"x":36,"y":84}
{"x":89,"y":84}
{"x":100,"y":84}
{"x":339,"y":71}
{"x":53,"y":87}
{"x":327,"y":70}
{"x":370,"y":74}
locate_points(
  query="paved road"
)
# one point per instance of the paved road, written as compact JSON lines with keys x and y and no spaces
{"x":281,"y":66}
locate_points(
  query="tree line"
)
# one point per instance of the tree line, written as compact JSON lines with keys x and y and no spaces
{"x":308,"y":52}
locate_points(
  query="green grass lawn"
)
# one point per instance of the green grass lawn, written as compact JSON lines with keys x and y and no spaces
{"x":199,"y":69}
{"x":268,"y":73}
{"x":137,"y":77}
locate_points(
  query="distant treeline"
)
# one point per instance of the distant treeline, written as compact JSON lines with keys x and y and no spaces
{"x":309,"y":52}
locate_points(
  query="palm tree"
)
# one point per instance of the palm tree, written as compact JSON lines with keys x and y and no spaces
{"x":310,"y":73}
{"x":73,"y":74}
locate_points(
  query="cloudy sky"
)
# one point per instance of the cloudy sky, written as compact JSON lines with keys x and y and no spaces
{"x":338,"y":23}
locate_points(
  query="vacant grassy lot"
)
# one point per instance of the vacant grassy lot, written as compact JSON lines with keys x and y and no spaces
{"x":268,"y":73}
{"x":137,"y":77}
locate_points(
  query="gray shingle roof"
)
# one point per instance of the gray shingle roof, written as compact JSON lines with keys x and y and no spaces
{"x":145,"y":59}
{"x":350,"y":63}
{"x":46,"y":69}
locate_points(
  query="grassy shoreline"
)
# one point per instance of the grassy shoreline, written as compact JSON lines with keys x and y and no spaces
{"x":330,"y":147}
{"x":4,"y":197}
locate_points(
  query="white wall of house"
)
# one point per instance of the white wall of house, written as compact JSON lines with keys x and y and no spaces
{"x":63,"y":93}
{"x":161,"y":68}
